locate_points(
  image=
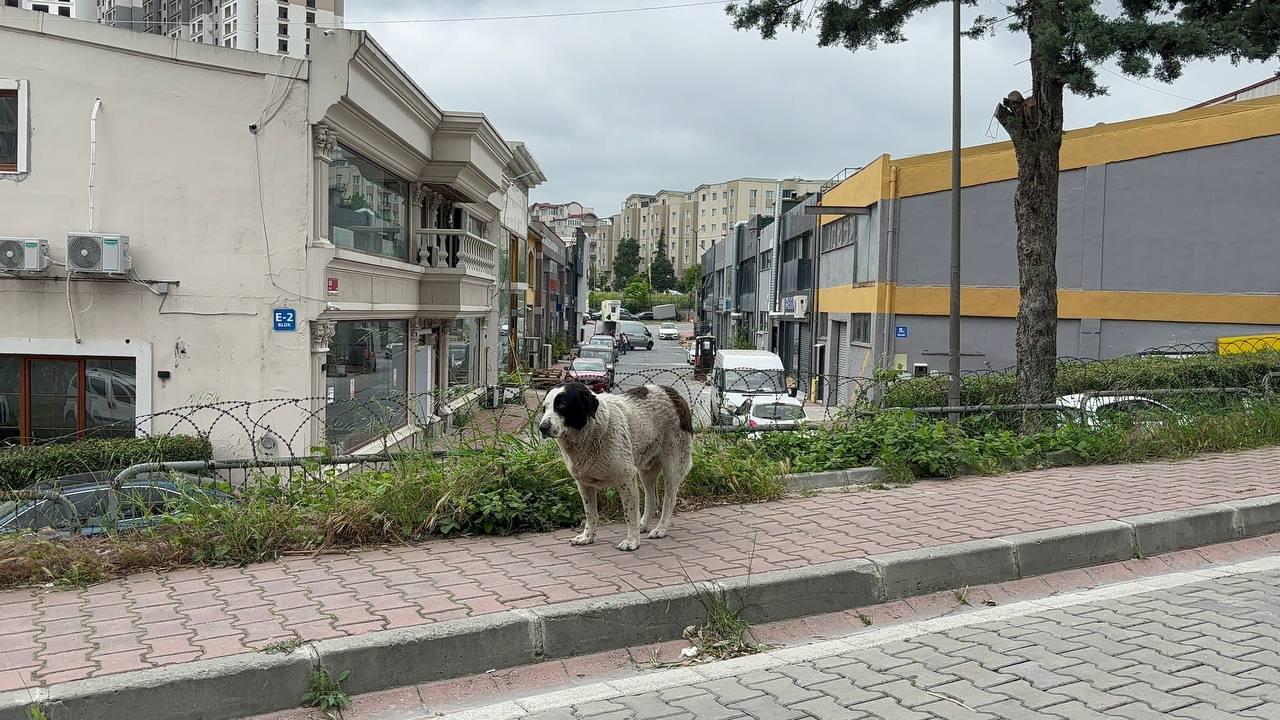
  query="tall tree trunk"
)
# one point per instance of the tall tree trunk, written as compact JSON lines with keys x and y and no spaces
{"x":1034,"y":125}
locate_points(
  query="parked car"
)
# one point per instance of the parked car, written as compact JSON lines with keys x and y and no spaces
{"x":646,"y":315}
{"x":739,"y":375}
{"x":144,"y":501}
{"x":614,"y":341}
{"x":1093,"y":410}
{"x":668,"y":331}
{"x":600,"y":352}
{"x":772,"y":413}
{"x":625,"y":314}
{"x":637,"y":334}
{"x":591,"y":372}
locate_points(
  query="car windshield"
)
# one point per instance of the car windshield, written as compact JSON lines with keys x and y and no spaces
{"x":777,"y":411}
{"x":587,"y":364}
{"x":602,"y":354}
{"x":633,"y":328}
{"x":668,"y":326}
{"x":754,"y":381}
{"x":600,"y":340}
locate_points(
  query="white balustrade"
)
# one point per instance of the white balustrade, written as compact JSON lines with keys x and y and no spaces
{"x":453,"y":248}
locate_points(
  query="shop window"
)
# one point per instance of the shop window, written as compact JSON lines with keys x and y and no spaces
{"x":366,"y":381}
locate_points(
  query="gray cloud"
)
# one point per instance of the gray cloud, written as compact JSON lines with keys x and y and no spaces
{"x":625,"y":103}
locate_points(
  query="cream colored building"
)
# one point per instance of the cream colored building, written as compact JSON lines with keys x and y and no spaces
{"x":328,"y":233}
{"x":690,"y":221}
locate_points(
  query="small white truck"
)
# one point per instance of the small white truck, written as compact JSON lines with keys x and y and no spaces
{"x":664,"y":312}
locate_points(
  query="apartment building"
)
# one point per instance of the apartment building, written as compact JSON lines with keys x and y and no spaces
{"x":78,"y":9}
{"x":339,"y":240}
{"x":687,"y":222}
{"x":272,"y":27}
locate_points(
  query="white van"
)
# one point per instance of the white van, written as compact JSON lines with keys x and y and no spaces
{"x":741,"y":374}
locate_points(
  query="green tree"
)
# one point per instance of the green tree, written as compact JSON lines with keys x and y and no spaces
{"x":626,"y":263}
{"x":636,"y":297}
{"x":661,"y":273}
{"x":692,"y":278}
{"x":1069,"y":40}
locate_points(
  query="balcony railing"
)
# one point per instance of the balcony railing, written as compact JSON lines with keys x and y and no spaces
{"x":443,"y":248}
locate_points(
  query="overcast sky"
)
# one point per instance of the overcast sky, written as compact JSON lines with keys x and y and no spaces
{"x":638,"y":102}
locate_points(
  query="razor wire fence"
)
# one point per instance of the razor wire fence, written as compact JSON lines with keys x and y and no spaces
{"x":375,"y":432}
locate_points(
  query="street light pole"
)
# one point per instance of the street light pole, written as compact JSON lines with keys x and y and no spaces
{"x":953,"y":364}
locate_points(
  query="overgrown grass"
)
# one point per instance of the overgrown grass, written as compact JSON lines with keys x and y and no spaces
{"x":517,"y":485}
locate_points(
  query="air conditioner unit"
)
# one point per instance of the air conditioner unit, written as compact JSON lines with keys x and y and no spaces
{"x":98,"y":253}
{"x":23,"y":255}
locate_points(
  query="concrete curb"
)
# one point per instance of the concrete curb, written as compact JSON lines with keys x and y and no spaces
{"x":834,"y":478}
{"x":253,"y":683}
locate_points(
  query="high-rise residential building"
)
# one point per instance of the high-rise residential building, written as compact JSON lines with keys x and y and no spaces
{"x":567,"y":218}
{"x":687,"y":222}
{"x":282,"y":27}
{"x":79,"y":9}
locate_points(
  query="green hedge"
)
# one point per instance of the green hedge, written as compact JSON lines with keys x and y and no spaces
{"x":682,"y":302}
{"x":1130,"y":373}
{"x":24,"y":465}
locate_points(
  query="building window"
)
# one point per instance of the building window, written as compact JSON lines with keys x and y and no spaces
{"x":282,"y":13}
{"x":40,"y":8}
{"x":311,"y":3}
{"x":713,"y":196}
{"x":308,"y":35}
{"x":840,"y":233}
{"x":704,"y":197}
{"x":13,"y":126}
{"x":58,"y":399}
{"x":768,"y":196}
{"x":282,"y":29}
{"x":311,"y":18}
{"x":860,"y":328}
{"x":64,"y":11}
{"x":366,"y":381}
{"x":367,"y":206}
{"x":464,"y":354}
{"x":282,"y":46}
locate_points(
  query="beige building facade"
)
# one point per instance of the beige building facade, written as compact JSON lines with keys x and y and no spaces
{"x":337,"y":242}
{"x":690,"y":221}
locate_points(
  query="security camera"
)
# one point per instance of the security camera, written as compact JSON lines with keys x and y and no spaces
{"x":329,"y":32}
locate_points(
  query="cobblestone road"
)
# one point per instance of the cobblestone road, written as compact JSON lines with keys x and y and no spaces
{"x":1175,"y":646}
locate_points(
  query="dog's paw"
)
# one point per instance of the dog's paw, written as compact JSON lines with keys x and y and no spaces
{"x":656,"y":533}
{"x":628,"y":545}
{"x":582,"y":539}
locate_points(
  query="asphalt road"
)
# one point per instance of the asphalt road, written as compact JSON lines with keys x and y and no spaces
{"x":666,"y":364}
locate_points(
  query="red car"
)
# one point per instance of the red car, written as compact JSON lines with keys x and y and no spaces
{"x":591,"y":372}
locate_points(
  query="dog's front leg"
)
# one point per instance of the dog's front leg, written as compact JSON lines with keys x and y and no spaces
{"x":629,"y":493}
{"x":588,"y":534}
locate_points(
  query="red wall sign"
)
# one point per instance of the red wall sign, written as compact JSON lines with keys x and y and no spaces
{"x":333,"y":285}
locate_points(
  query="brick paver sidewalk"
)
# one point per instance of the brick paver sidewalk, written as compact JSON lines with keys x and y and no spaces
{"x":156,"y":619}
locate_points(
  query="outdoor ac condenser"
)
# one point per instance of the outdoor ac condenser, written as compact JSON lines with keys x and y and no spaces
{"x":23,"y":255}
{"x":98,"y":253}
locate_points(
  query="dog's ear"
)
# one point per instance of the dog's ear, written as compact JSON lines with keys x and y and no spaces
{"x":580,"y":405}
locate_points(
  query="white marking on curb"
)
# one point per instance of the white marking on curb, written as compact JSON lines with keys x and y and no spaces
{"x":679,"y":677}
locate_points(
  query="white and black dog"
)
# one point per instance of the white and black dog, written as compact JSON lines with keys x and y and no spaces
{"x":620,"y":440}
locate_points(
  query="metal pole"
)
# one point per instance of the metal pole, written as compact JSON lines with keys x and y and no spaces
{"x":953,"y":364}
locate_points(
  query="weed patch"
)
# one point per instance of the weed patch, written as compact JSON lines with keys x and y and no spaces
{"x":325,"y":692}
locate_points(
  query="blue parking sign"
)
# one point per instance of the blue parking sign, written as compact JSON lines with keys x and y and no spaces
{"x":284,"y":319}
{"x":900,"y":331}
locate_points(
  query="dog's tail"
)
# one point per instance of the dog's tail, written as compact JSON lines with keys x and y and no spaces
{"x":682,"y":409}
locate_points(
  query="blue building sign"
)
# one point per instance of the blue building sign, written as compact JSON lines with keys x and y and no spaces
{"x":284,"y":319}
{"x":900,"y":331}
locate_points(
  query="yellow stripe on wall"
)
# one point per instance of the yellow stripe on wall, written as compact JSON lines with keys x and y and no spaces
{"x":1086,"y":147}
{"x":1072,"y":304}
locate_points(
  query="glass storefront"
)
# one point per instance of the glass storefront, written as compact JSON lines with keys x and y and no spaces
{"x":368,"y":206}
{"x":367,"y":379}
{"x":464,"y":353}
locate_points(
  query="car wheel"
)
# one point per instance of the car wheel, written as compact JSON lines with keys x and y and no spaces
{"x":650,"y":345}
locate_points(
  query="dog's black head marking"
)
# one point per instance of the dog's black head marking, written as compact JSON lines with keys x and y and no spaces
{"x":576,"y":404}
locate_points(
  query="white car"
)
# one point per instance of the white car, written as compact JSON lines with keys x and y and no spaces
{"x":1092,"y":410}
{"x":668,"y":331}
{"x":778,"y":412}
